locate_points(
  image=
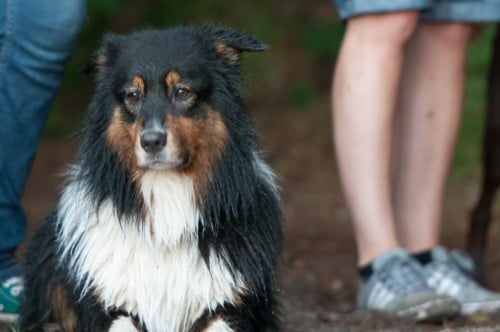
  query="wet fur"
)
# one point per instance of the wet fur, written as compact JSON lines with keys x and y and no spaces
{"x":187,"y":238}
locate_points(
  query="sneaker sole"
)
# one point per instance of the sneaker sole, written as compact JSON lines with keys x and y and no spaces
{"x":431,"y":311}
{"x":480,"y":307}
{"x":8,"y":318}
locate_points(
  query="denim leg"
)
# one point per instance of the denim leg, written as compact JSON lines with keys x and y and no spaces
{"x":37,"y":37}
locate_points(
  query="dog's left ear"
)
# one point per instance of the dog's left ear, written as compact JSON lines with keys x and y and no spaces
{"x":104,"y":56}
{"x":229,"y":44}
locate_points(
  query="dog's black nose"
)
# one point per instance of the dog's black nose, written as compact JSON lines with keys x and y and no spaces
{"x":153,"y":141}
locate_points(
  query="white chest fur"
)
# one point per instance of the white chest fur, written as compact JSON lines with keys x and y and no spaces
{"x":156,"y":272}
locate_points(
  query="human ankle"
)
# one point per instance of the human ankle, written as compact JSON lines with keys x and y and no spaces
{"x":423,"y":257}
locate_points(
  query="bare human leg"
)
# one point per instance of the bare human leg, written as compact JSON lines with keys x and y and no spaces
{"x":429,"y":109}
{"x":365,"y":89}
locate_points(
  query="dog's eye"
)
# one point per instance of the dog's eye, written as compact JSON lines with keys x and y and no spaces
{"x":182,"y":92}
{"x":134,"y":96}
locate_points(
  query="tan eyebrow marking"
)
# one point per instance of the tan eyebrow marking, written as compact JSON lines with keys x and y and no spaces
{"x":172,"y":79}
{"x":138,"y":83}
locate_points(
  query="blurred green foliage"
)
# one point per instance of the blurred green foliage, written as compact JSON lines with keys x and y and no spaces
{"x":319,"y":44}
{"x":301,"y":95}
{"x":322,"y":38}
{"x":304,"y":37}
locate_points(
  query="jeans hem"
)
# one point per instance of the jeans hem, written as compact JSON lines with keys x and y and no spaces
{"x":350,"y":8}
{"x":464,"y":11}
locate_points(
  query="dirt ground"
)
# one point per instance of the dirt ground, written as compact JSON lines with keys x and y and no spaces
{"x":318,"y":274}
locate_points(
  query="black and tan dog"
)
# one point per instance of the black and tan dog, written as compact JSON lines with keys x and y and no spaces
{"x":170,"y":220}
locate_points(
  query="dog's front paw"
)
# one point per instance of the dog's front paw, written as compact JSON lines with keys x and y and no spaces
{"x":218,"y":325}
{"x":123,"y":324}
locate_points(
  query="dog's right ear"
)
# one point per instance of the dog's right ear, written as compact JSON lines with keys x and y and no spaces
{"x":229,"y":44}
{"x":103,"y":56}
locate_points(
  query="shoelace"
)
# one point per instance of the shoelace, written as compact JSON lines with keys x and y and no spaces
{"x":449,"y":270}
{"x":11,"y":281}
{"x":14,"y":285}
{"x":402,"y":277}
{"x":463,"y":261}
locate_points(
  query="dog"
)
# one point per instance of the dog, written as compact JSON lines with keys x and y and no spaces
{"x":170,"y":220}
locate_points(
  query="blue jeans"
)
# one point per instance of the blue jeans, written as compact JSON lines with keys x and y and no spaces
{"x":472,"y":11}
{"x":37,"y":37}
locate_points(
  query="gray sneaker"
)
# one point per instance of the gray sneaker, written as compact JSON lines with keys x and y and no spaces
{"x":397,"y":286}
{"x":445,"y":276}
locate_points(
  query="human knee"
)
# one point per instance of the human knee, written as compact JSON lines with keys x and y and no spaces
{"x":450,"y":34}
{"x":384,"y":30}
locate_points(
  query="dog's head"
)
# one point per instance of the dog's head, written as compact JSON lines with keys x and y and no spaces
{"x":169,"y":97}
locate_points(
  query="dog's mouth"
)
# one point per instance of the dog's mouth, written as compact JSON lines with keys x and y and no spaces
{"x":157,"y":163}
{"x":158,"y":160}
